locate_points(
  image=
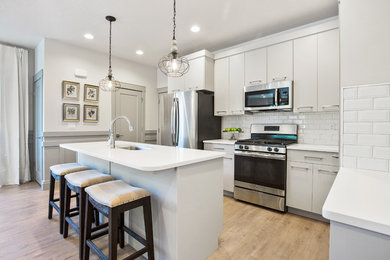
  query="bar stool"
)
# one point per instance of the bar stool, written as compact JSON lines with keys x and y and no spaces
{"x":57,"y":172}
{"x":112,"y":199}
{"x":77,"y":182}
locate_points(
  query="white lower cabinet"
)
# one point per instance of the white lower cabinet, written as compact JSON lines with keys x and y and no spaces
{"x":310,"y":176}
{"x":323,"y":178}
{"x":299,"y":185}
{"x":228,"y":163}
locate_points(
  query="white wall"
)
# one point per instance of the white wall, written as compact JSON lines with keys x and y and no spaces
{"x":60,"y":62}
{"x":364,"y":41}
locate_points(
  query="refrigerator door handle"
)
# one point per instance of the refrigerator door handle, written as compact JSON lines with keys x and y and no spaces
{"x":173,"y":122}
{"x":177,"y":121}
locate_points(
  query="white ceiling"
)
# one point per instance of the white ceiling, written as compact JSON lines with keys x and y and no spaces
{"x":147,"y":24}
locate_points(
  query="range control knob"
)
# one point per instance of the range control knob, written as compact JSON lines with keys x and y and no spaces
{"x":240,"y":147}
{"x":269,"y":149}
{"x":246,"y":147}
{"x":276,"y":149}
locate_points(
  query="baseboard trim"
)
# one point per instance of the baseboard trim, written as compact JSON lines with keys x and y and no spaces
{"x":228,"y":194}
{"x":307,"y":214}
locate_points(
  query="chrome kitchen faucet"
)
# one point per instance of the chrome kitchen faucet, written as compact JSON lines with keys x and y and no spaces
{"x":111,"y":137}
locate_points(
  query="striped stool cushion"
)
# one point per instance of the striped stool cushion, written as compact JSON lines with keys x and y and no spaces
{"x":63,"y":169}
{"x":87,"y":178}
{"x":115,"y":193}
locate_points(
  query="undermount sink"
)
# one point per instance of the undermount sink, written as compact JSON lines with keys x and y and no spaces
{"x":132,"y":147}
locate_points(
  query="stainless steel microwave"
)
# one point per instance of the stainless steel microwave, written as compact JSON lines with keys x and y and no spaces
{"x":276,"y":95}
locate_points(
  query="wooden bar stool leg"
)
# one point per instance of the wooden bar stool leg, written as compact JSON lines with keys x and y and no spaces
{"x":82,"y":221}
{"x":88,"y":226}
{"x":62,"y":203}
{"x":149,"y":228}
{"x":113,"y":234}
{"x":66,"y":210}
{"x":96,"y":217}
{"x":51,"y":195}
{"x":121,"y":230}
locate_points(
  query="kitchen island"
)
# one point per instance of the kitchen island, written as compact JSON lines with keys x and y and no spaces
{"x":186,"y":188}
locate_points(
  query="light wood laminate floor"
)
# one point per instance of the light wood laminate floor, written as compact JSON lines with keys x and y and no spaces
{"x":249,"y":232}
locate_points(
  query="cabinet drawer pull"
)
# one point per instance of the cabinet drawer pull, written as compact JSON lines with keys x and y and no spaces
{"x":279,"y":78}
{"x":255,"y":81}
{"x":327,"y":171}
{"x":305,"y":107}
{"x":299,"y":167}
{"x":218,"y":148}
{"x":335,"y":156}
{"x":313,"y":158}
{"x":329,"y":106}
{"x":228,"y":158}
{"x":221,"y":112}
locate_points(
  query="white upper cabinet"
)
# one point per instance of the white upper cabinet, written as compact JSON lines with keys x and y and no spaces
{"x":200,"y":76}
{"x":176,"y":84}
{"x":256,"y":67}
{"x":162,"y":79}
{"x":221,"y":87}
{"x":280,"y":61}
{"x":305,"y":74}
{"x":328,"y":70}
{"x":236,"y":84}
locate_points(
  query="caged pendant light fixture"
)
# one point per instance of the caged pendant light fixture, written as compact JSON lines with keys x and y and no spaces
{"x":173,"y":65}
{"x":109,"y":83}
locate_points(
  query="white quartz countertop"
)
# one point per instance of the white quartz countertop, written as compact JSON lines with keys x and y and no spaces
{"x":314,"y":147}
{"x":220,"y":141}
{"x":152,"y":158}
{"x":360,"y":198}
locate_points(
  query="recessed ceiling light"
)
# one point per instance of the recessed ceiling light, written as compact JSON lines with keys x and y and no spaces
{"x":195,"y":28}
{"x":139,"y":52}
{"x":88,"y":36}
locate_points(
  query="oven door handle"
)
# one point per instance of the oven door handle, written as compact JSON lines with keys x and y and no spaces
{"x":261,"y":155}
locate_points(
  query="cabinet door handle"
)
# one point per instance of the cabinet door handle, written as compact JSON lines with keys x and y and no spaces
{"x":327,"y":171}
{"x":335,"y":156}
{"x":221,"y":112}
{"x":313,"y":158}
{"x":253,"y":82}
{"x":299,"y":167}
{"x":279,"y":78}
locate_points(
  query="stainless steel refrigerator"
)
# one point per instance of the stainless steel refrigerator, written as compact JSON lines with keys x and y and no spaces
{"x":187,"y":118}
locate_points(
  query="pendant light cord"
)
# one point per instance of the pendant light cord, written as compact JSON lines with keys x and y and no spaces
{"x":174,"y":20}
{"x":109,"y":49}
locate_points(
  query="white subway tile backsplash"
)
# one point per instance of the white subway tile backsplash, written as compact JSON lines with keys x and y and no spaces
{"x":373,"y":115}
{"x":349,"y":162}
{"x":366,"y":127}
{"x":350,"y":138}
{"x":357,"y":128}
{"x":373,"y":164}
{"x":373,"y":91}
{"x":358,"y":104}
{"x":381,"y":128}
{"x":350,"y":93}
{"x":358,"y":150}
{"x":350,"y":116}
{"x":313,"y":128}
{"x":374,"y":140}
{"x":382,"y":152}
{"x":382,"y":103}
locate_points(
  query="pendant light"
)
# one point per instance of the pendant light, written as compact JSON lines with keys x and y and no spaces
{"x":173,"y":65}
{"x":109,"y":83}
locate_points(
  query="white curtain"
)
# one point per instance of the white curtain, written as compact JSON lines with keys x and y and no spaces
{"x":14,"y":159}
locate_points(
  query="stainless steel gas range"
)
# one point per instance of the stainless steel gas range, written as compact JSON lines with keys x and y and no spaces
{"x":260,"y":166}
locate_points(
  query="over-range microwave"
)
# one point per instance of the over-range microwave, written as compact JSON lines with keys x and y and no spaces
{"x":276,"y":95}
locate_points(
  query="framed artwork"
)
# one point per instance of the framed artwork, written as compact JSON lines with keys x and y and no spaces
{"x":71,"y":112}
{"x":70,"y":90}
{"x":91,"y":113}
{"x":91,"y":93}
